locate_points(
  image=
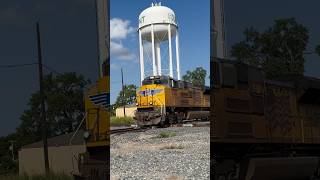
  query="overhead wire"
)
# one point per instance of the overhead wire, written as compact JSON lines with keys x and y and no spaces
{"x":8,"y":66}
{"x":17,"y":65}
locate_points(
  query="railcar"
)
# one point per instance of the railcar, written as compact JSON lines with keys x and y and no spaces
{"x":260,"y":128}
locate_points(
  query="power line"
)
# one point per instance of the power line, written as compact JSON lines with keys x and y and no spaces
{"x":17,"y":65}
{"x":29,"y":64}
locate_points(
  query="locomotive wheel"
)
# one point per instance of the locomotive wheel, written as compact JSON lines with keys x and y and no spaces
{"x":179,"y":117}
{"x":172,"y":119}
{"x":225,"y":170}
{"x":316,"y":175}
{"x":161,"y":124}
{"x":164,"y":122}
{"x":221,"y":177}
{"x":227,"y":176}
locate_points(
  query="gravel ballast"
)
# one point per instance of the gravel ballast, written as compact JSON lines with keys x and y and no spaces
{"x":166,"y":153}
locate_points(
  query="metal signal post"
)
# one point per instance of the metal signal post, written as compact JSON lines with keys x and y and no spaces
{"x":123,"y":95}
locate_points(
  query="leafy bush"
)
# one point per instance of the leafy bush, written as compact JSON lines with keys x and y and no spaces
{"x":121,"y":121}
{"x":7,"y":166}
{"x":166,"y":134}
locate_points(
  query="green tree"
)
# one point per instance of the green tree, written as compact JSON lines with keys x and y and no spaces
{"x":7,"y":165}
{"x":64,"y":107}
{"x":279,"y":50}
{"x":129,"y":96}
{"x":196,"y":77}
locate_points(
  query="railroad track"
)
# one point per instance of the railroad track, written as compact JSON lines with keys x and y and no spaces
{"x":186,"y":123}
{"x":192,"y":123}
{"x":120,"y":130}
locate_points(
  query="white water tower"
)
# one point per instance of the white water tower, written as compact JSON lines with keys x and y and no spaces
{"x":157,"y":25}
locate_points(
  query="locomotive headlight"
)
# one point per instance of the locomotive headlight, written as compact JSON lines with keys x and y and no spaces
{"x":86,"y":135}
{"x":137,"y":104}
{"x":150,"y":102}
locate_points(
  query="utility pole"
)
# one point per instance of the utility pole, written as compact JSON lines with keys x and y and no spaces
{"x":12,"y":149}
{"x":103,"y":37}
{"x":43,"y":108}
{"x":218,"y":40}
{"x":123,"y":95}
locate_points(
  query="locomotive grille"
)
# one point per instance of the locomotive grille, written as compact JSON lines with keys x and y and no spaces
{"x":278,"y":111}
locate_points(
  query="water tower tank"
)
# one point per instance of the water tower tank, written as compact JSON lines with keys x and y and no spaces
{"x":160,"y":17}
{"x":158,"y":25}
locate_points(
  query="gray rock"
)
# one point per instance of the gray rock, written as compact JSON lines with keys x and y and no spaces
{"x":141,"y":155}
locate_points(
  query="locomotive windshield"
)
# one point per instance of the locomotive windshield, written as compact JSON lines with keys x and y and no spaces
{"x":163,"y":80}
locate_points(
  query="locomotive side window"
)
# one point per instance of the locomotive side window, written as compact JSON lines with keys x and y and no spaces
{"x":255,"y":75}
{"x":157,"y":81}
{"x":174,"y":84}
{"x":147,"y":82}
{"x":165,"y":82}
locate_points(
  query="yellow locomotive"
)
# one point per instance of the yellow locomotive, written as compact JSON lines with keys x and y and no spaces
{"x":161,"y":100}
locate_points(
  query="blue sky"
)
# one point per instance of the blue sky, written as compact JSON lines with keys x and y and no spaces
{"x":194,"y":32}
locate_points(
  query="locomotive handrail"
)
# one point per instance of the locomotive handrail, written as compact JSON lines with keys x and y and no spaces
{"x":84,"y":117}
{"x":162,"y":106}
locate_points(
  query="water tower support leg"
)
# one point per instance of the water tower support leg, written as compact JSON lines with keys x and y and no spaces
{"x":178,"y":55}
{"x":141,"y":58}
{"x":158,"y":57}
{"x":153,"y":52}
{"x":170,"y":51}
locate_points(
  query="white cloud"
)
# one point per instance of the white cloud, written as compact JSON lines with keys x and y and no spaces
{"x":121,"y":52}
{"x":120,"y":28}
{"x":114,"y":66}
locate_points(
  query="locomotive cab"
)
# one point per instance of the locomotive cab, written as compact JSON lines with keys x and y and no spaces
{"x":161,"y":80}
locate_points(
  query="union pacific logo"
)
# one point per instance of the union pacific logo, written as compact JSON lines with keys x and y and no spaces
{"x":102,"y":99}
{"x":150,"y":92}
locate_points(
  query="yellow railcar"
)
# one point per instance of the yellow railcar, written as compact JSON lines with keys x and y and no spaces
{"x":162,"y":100}
{"x":94,"y":163}
{"x":97,"y":114}
{"x":259,"y":124}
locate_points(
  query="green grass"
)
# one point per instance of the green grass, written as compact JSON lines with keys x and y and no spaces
{"x":166,"y":134}
{"x":121,"y":121}
{"x":51,"y":176}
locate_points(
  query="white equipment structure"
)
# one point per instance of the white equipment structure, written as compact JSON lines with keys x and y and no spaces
{"x":218,"y":46}
{"x":157,"y":25}
{"x":103,"y":31}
